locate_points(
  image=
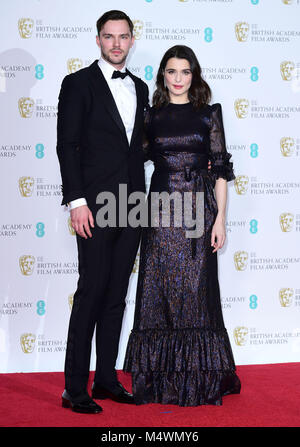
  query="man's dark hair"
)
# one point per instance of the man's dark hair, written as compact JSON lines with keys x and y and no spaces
{"x":113,"y":15}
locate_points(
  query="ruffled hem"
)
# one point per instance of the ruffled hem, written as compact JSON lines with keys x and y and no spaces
{"x":185,"y":367}
{"x":188,"y":349}
{"x":185,"y":389}
{"x":221,"y":166}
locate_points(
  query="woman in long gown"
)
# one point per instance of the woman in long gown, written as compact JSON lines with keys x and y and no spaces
{"x":179,"y":350}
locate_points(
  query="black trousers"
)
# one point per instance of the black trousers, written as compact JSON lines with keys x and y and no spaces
{"x":105,"y":264}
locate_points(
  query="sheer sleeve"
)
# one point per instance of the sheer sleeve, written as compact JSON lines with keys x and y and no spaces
{"x":146,"y":135}
{"x":220,"y":164}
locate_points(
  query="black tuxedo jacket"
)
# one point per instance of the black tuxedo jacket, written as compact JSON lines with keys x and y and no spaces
{"x":92,"y":145}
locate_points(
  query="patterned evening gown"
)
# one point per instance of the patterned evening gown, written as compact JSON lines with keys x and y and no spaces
{"x":179,"y":350}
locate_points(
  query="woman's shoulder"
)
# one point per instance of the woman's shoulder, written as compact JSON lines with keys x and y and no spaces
{"x":215,"y":107}
{"x":216,"y":113}
{"x":154,"y":111}
{"x":151,"y":110}
{"x":210,"y":108}
{"x":148,"y":114}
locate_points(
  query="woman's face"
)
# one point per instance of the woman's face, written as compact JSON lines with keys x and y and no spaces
{"x":178,"y":79}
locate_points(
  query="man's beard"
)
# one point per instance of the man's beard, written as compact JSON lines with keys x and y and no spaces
{"x":112,"y":61}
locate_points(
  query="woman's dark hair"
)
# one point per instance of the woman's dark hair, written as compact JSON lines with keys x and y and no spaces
{"x":113,"y":15}
{"x":199,"y":92}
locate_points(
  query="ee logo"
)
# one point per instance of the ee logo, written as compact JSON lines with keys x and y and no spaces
{"x":40,"y":307}
{"x":253,"y":150}
{"x":39,"y":150}
{"x":40,"y":229}
{"x":253,"y":226}
{"x":148,"y":72}
{"x":39,"y":71}
{"x":254,"y":74}
{"x":253,"y":302}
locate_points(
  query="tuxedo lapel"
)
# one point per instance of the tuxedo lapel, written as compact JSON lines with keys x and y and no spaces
{"x":139,"y":107}
{"x":102,"y":90}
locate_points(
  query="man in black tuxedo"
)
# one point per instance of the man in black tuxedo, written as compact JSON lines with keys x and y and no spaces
{"x":99,"y":146}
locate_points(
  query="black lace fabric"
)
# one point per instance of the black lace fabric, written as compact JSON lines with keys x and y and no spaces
{"x":220,"y":158}
{"x":179,"y":351}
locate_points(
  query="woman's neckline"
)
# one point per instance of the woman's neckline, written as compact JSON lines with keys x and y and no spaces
{"x":179,"y":104}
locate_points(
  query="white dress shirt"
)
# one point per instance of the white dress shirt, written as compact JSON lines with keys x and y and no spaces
{"x":124,"y":94}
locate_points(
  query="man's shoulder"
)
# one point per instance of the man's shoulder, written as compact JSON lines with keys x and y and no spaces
{"x":139,"y":80}
{"x":82,"y":73}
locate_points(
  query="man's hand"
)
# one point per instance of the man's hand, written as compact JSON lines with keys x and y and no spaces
{"x":81,"y":220}
{"x":209,"y":165}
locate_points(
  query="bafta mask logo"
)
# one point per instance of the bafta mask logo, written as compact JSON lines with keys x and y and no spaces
{"x":26,"y":106}
{"x":25,"y":26}
{"x":26,"y":263}
{"x":286,"y":296}
{"x":71,"y":229}
{"x":286,"y":222}
{"x":26,"y":185}
{"x":287,"y":145}
{"x":138,"y":26}
{"x":240,"y":335}
{"x":287,"y":2}
{"x":241,"y":107}
{"x":241,"y":184}
{"x":71,"y":300}
{"x":287,"y":70}
{"x":240,"y":260}
{"x":242,"y":31}
{"x":74,"y":64}
{"x":27,"y":343}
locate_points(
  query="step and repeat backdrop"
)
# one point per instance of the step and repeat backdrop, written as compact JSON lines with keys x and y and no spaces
{"x":249,"y":51}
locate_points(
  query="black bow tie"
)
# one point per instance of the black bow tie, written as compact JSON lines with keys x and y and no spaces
{"x":119,"y":74}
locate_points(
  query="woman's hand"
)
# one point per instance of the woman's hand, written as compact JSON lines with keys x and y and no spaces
{"x":218,"y":234}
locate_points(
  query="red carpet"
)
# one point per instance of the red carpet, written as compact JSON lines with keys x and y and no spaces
{"x":270,"y":397}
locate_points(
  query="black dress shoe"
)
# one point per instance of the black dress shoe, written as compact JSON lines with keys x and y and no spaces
{"x":119,"y":395}
{"x":83,"y":404}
